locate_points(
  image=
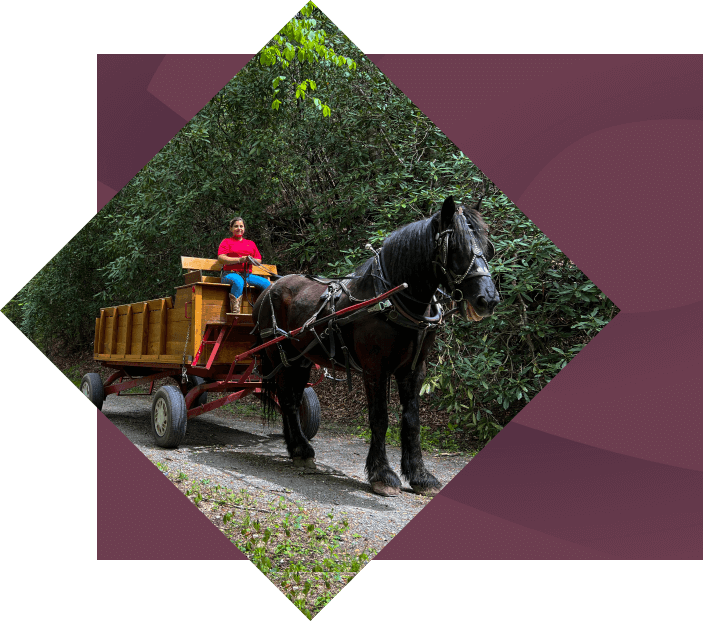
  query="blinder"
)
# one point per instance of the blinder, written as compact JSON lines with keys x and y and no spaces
{"x":442,"y":248}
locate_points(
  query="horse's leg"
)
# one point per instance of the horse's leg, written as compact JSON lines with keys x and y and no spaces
{"x":381,"y":476}
{"x":291,"y":382}
{"x":411,"y":465}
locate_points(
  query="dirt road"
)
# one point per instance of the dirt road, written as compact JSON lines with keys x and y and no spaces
{"x":238,"y":451}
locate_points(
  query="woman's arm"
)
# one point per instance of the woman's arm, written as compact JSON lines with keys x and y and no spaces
{"x":223,"y":258}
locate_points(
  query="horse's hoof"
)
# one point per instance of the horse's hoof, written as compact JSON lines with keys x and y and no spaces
{"x":426,"y":491}
{"x":380,"y":488}
{"x":305,"y":464}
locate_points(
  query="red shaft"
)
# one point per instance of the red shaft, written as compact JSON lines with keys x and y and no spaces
{"x":344,"y":311}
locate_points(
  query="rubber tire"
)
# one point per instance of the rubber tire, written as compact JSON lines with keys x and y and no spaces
{"x":172,"y":400}
{"x":310,"y":413}
{"x":193,"y":381}
{"x":92,"y":387}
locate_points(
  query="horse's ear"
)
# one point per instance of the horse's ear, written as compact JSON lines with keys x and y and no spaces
{"x":448,"y":210}
{"x":477,"y":206}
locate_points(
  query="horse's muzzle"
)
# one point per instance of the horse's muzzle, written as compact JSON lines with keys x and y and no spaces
{"x":481,"y":307}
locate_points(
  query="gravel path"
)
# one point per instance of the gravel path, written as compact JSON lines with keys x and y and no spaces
{"x":238,"y":451}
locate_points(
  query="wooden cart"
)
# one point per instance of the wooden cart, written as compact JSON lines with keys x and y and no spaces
{"x":191,"y":338}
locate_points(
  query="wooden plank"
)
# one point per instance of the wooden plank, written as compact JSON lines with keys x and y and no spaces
{"x":113,"y":334}
{"x":213,"y":265}
{"x":229,"y":350}
{"x":101,"y":336}
{"x":135,"y":344}
{"x":145,"y":328}
{"x":120,"y":342}
{"x":195,"y":263}
{"x":128,"y":332}
{"x":162,"y":327}
{"x":96,"y":340}
{"x":176,"y":333}
{"x":155,"y":305}
{"x":148,"y":358}
{"x":193,"y":276}
{"x":271,"y":268}
{"x":198,"y":326}
{"x":184,"y":311}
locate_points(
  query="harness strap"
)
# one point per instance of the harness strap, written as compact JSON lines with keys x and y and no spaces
{"x":328,"y":298}
{"x":419,"y":347}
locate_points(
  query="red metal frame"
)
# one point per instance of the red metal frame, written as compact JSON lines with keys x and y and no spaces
{"x":118,"y":388}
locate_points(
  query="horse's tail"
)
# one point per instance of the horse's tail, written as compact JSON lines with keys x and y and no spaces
{"x":268,"y":378}
{"x":268,"y":387}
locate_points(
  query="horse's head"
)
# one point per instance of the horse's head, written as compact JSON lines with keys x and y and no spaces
{"x":462,"y":254}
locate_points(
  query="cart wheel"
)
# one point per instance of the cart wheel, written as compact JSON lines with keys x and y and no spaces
{"x":168,"y":417}
{"x":310,"y":413}
{"x":193,"y":381}
{"x":92,"y":387}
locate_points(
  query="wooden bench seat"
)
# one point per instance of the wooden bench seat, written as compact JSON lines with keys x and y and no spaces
{"x":196,"y":266}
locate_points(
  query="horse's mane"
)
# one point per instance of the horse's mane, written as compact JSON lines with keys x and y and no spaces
{"x":409,"y":250}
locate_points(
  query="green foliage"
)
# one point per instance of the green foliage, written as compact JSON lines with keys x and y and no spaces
{"x":303,"y":41}
{"x":74,"y":375}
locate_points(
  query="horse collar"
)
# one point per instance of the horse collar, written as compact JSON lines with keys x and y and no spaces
{"x":398,"y":312}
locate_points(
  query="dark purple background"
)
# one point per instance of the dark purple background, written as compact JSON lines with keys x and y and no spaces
{"x":604,"y":154}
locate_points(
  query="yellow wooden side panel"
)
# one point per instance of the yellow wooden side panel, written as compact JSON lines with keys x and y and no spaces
{"x":157,"y":330}
{"x":131,"y":331}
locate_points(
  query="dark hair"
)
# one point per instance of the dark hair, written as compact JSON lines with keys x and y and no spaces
{"x":236,"y":219}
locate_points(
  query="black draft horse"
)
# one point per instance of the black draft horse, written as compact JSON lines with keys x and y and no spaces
{"x":448,"y":251}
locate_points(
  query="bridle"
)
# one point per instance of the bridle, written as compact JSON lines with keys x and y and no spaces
{"x":442,"y":252}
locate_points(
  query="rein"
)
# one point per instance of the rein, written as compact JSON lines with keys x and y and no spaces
{"x":260,"y":265}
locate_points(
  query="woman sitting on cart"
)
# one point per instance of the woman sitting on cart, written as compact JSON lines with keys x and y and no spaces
{"x":236,"y":254}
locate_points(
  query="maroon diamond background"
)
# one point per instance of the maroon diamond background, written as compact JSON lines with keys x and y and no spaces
{"x":604,"y":154}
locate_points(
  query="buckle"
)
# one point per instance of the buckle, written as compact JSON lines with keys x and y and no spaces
{"x":381,"y":306}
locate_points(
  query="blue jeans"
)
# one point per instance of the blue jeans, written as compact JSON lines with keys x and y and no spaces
{"x":236,"y":279}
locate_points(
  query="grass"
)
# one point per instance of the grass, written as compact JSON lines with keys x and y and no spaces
{"x":310,"y":557}
{"x":431,"y":440}
{"x":243,"y":408}
{"x":74,"y":375}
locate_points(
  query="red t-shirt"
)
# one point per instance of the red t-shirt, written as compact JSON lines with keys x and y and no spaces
{"x":233,"y":248}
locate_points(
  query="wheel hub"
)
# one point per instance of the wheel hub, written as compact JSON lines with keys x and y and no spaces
{"x":160,"y":417}
{"x":85,"y":389}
